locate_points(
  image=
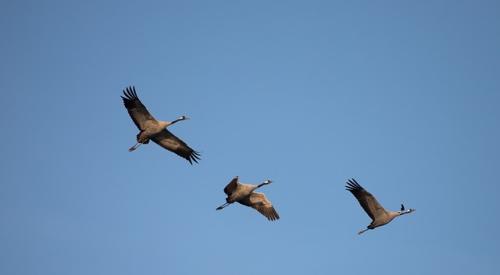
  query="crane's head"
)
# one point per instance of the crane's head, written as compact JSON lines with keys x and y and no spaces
{"x":404,"y":211}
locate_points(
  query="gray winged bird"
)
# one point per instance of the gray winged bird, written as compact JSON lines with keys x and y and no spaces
{"x":244,"y":194}
{"x":156,"y":130}
{"x":377,"y":213}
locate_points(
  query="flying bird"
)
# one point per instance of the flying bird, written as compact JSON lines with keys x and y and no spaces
{"x":244,"y":194}
{"x":377,"y":213}
{"x":156,"y":130}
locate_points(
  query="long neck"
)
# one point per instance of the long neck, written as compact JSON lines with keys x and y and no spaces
{"x":404,"y":212}
{"x":175,"y":121}
{"x":165,"y":124}
{"x":262,"y":184}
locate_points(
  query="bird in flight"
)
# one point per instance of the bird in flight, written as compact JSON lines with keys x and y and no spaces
{"x":155,"y":130}
{"x":377,"y":213}
{"x":244,"y":194}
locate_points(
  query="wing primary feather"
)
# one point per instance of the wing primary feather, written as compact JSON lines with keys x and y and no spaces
{"x":134,"y":92}
{"x":194,"y":156}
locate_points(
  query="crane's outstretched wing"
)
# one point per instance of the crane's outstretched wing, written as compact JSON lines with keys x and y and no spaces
{"x":172,"y":143}
{"x":135,"y":108}
{"x":259,"y":202}
{"x":365,"y":199}
{"x":231,"y":186}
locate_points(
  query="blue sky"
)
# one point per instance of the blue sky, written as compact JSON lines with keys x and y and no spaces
{"x":401,"y":95}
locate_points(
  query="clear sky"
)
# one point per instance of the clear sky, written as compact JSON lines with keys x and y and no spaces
{"x":402,"y":95}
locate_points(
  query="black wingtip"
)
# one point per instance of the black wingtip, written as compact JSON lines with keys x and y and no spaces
{"x":194,"y":156}
{"x":352,"y":185}
{"x":133,"y":91}
{"x":274,"y":216}
{"x":130,"y":97}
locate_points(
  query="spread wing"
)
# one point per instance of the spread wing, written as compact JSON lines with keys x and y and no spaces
{"x":229,"y":189}
{"x":259,"y":202}
{"x":135,"y":108}
{"x":172,"y":143}
{"x":365,"y":199}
